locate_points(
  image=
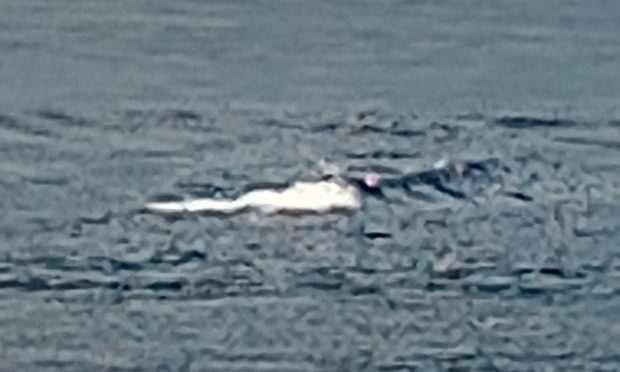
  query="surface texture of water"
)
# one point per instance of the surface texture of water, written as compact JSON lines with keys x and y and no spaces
{"x":511,"y":267}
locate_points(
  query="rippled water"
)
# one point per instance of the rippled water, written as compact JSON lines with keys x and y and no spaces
{"x":511,"y":267}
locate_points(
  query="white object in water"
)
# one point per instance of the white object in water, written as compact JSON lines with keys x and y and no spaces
{"x":302,"y":196}
{"x":442,"y":162}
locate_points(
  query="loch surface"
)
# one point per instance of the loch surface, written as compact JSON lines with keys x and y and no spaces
{"x":511,"y":265}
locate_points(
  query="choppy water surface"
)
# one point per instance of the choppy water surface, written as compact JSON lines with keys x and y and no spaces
{"x":511,"y":267}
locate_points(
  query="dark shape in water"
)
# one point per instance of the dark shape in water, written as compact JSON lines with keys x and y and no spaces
{"x":523,"y":122}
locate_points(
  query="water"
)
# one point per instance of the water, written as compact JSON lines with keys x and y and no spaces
{"x":106,"y":104}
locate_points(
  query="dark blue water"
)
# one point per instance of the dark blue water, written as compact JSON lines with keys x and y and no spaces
{"x":511,"y":266}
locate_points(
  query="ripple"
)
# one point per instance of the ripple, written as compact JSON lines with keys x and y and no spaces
{"x":522,"y":122}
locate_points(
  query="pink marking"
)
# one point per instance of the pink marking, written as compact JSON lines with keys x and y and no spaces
{"x":373,"y":180}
